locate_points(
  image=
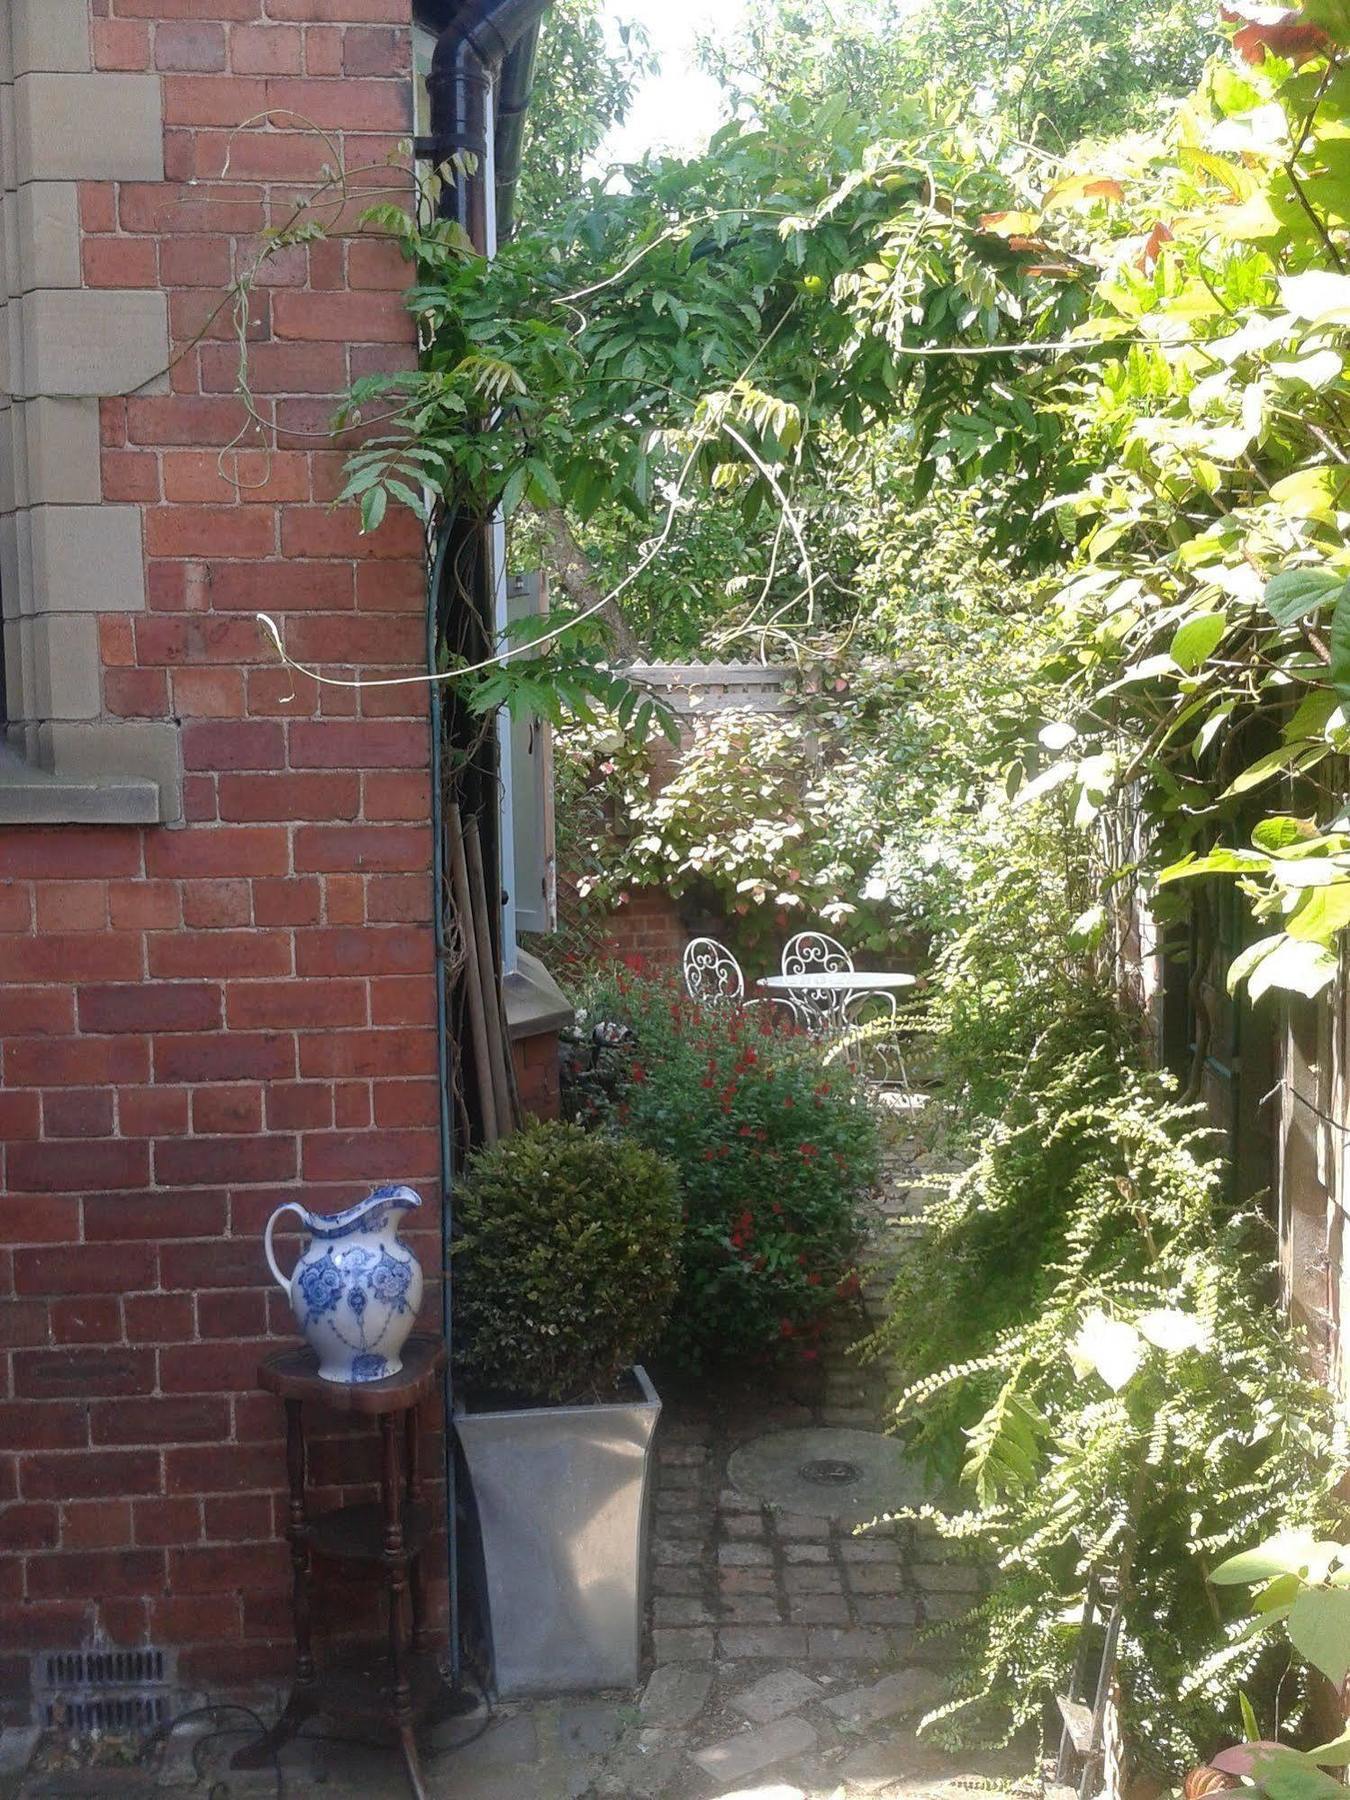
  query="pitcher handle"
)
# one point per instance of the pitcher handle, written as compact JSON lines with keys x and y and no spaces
{"x":269,"y":1253}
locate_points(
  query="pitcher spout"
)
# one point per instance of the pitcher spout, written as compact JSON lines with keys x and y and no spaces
{"x":366,"y":1215}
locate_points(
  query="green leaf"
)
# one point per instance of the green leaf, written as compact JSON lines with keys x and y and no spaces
{"x":1311,"y":493}
{"x":1211,"y":728}
{"x":1238,"y":180}
{"x":1241,"y":967}
{"x":1335,"y":1754}
{"x":1286,"y":1774}
{"x":373,"y":505}
{"x":1249,"y":1724}
{"x":1217,"y":862}
{"x":1313,"y":714}
{"x":1285,"y":757}
{"x":1319,"y":1628}
{"x":1321,"y":913}
{"x":1278,"y":1596}
{"x":1088,"y":929}
{"x":1280,"y":832}
{"x":1296,"y":965}
{"x":1294,"y":593}
{"x":1332,"y":15}
{"x":414,"y":501}
{"x":1287,"y":1553}
{"x":1195,"y":641}
{"x":1340,"y":649}
{"x":514,"y":491}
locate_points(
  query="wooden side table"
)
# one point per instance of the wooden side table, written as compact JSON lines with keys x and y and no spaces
{"x":391,"y":1533}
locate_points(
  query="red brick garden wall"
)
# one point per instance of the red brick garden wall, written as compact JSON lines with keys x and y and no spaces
{"x":202,"y":1021}
{"x":646,"y":931}
{"x":538,"y":1075}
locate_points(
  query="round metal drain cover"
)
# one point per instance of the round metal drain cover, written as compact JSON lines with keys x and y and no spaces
{"x":847,"y":1475}
{"x":828,"y":1471}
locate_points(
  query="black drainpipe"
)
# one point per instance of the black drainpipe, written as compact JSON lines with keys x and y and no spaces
{"x":484,"y":43}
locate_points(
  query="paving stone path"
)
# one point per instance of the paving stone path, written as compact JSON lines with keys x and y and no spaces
{"x":783,"y":1650}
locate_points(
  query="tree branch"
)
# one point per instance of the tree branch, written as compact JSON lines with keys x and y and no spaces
{"x":571,"y":568}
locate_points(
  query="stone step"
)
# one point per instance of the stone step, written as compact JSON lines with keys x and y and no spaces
{"x":746,"y":1753}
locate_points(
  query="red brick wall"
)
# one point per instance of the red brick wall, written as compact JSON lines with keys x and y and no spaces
{"x":201,"y":1022}
{"x":535,"y":1060}
{"x":646,"y":930}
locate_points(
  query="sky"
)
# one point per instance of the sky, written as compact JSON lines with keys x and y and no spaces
{"x":679,"y":108}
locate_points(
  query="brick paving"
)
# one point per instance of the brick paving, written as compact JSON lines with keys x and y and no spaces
{"x":783,"y":1648}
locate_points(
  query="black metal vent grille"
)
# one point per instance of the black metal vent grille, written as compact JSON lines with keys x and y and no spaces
{"x":97,"y":1689}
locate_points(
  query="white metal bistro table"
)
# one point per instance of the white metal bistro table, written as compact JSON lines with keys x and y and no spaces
{"x":820,"y":999}
{"x":837,"y":981}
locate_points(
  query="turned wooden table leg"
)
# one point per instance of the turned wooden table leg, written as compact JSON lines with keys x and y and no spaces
{"x":302,"y":1703}
{"x":421,"y":1641}
{"x":296,"y":1471}
{"x":397,"y":1565}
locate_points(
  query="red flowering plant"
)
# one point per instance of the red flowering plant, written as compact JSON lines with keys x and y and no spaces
{"x":774,"y":1153}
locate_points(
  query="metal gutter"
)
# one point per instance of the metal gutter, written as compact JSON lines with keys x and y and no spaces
{"x":514,"y":89}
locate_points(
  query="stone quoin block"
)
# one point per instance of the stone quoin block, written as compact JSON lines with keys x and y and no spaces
{"x":67,"y":685}
{"x":63,"y":456}
{"x":99,"y":127}
{"x":47,"y":235}
{"x":87,"y":341}
{"x":50,"y":36}
{"x":88,"y":559}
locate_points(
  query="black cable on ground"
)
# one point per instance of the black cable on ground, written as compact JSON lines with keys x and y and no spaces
{"x":162,"y":1734}
{"x":221,"y":1789}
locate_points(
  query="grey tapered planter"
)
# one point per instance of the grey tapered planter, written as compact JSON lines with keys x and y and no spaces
{"x":562,"y":1499}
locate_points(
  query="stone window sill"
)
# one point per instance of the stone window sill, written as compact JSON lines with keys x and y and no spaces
{"x":534,"y":1001}
{"x":33,"y":797}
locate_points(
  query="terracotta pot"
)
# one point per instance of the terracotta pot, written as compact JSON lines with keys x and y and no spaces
{"x":1207,"y":1780}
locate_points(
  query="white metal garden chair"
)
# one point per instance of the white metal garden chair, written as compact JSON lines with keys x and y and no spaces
{"x":821,"y":1010}
{"x":834,"y":1011}
{"x":712,"y":976}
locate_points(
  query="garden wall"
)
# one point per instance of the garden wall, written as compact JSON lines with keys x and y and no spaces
{"x":234,"y":1005}
{"x":650,"y":930}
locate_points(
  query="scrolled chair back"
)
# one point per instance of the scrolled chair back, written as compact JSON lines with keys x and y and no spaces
{"x":712,"y":975}
{"x":816,"y":953}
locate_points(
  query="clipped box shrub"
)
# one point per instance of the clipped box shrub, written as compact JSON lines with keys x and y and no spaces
{"x":565,"y":1265}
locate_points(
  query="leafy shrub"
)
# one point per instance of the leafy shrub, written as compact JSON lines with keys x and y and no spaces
{"x":1087,"y":1330}
{"x":566,"y":1263}
{"x":774,"y":1153}
{"x":733,"y":824}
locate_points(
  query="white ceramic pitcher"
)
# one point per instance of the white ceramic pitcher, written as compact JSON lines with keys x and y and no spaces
{"x":356,"y":1289}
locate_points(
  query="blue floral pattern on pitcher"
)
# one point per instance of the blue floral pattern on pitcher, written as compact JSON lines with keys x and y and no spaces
{"x":355,"y":1290}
